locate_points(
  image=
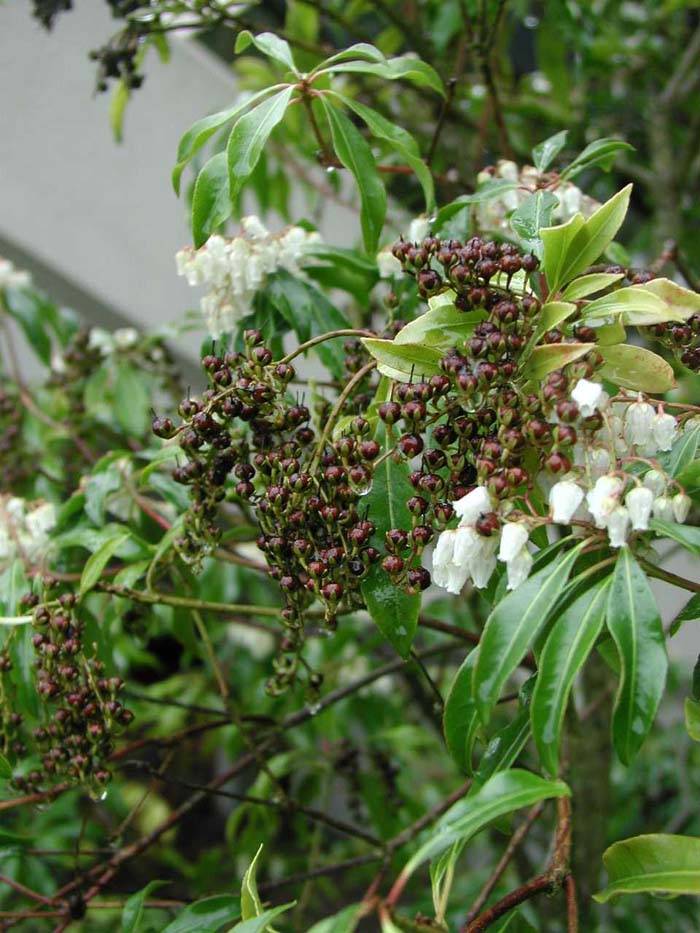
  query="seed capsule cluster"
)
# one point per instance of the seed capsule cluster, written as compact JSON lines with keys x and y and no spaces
{"x":80,"y":713}
{"x":682,"y":339}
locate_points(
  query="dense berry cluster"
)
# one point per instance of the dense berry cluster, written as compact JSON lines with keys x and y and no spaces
{"x":80,"y":713}
{"x":682,"y":339}
{"x":16,"y":461}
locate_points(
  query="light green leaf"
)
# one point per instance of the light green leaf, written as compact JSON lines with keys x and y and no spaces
{"x":344,"y":922}
{"x":512,"y":627}
{"x":403,"y":361}
{"x":360,"y":50}
{"x":556,"y":242}
{"x":404,"y":66}
{"x":5,"y":771}
{"x":568,"y":645}
{"x":442,"y":325}
{"x":636,"y":368}
{"x":503,"y":793}
{"x":211,"y":200}
{"x":586,"y":285}
{"x":490,"y":190}
{"x":633,"y":621}
{"x":270,"y":45}
{"x":132,"y":914}
{"x":461,"y":718}
{"x":635,"y":305}
{"x":551,"y":315}
{"x":207,"y":915}
{"x":356,"y":156}
{"x":400,"y":140}
{"x":96,"y":562}
{"x":530,"y":216}
{"x":601,"y":152}
{"x":250,"y":134}
{"x":117,"y":107}
{"x":251,"y":905}
{"x":16,"y":620}
{"x":653,"y":864}
{"x":692,"y":718}
{"x":686,"y":535}
{"x":681,"y":301}
{"x":546,"y":152}
{"x":132,"y":401}
{"x":548,"y":357}
{"x":683,"y":452}
{"x":254,"y":925}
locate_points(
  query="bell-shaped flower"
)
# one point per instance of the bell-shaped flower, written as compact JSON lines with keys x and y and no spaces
{"x":618,"y":523}
{"x":663,"y":508}
{"x":564,"y":498}
{"x":513,"y":551}
{"x":681,"y":507}
{"x":639,"y":502}
{"x":604,"y":497}
{"x":664,"y":430}
{"x":655,"y":480}
{"x":589,"y":396}
{"x":599,"y":461}
{"x":639,"y":422}
{"x":446,"y":572}
{"x":475,"y":503}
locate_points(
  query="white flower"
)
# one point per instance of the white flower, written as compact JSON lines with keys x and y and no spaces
{"x":483,"y":562}
{"x":474,"y":504}
{"x":101,"y":339}
{"x":513,"y":551}
{"x":446,"y":573}
{"x":11,"y":277}
{"x":664,"y":430}
{"x":419,"y":229}
{"x":125,"y":337}
{"x":599,"y":461}
{"x":639,"y":502}
{"x":41,"y":519}
{"x":462,"y":553}
{"x":589,"y":396}
{"x":388,"y":264}
{"x":655,"y":480}
{"x":25,"y":527}
{"x":564,"y":498}
{"x":639,"y":422}
{"x":663,"y":508}
{"x":681,"y":507}
{"x":603,"y":498}
{"x":618,"y":522}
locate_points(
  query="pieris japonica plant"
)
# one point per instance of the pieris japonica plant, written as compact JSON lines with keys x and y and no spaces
{"x":366,"y":610}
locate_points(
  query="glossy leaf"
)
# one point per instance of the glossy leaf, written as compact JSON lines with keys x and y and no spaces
{"x":344,"y":922}
{"x":132,"y":914}
{"x":401,"y":142}
{"x":566,"y":650}
{"x":688,"y":536}
{"x":393,"y":611}
{"x":360,"y":50}
{"x":548,"y":357}
{"x":404,"y":66}
{"x":503,"y":793}
{"x":356,"y":156}
{"x":512,"y":627}
{"x":461,"y":718}
{"x":681,"y":301}
{"x":546,"y":152}
{"x":689,"y":478}
{"x":556,"y":242}
{"x":270,"y":45}
{"x":489,"y":191}
{"x":635,"y":305}
{"x":207,"y":915}
{"x":586,"y":285}
{"x":552,"y":314}
{"x":636,"y":368}
{"x":96,"y":563}
{"x":689,"y":613}
{"x":633,"y":621}
{"x":652,"y":864}
{"x":254,"y":925}
{"x":211,"y":200}
{"x":600,"y":152}
{"x":692,"y":718}
{"x":251,"y":905}
{"x":530,"y":216}
{"x":250,"y":134}
{"x":442,"y":325}
{"x":403,"y":361}
{"x":682,"y":453}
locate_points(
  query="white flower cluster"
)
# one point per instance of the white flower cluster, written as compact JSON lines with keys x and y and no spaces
{"x":24,"y":528}
{"x":596,"y":492}
{"x":109,"y":342}
{"x":492,"y":215}
{"x":388,"y":264}
{"x":234,"y":269}
{"x":12,"y":277}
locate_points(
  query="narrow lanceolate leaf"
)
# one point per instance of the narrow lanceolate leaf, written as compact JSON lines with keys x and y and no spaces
{"x":96,"y":563}
{"x":692,"y":718}
{"x":688,"y":536}
{"x":600,"y":152}
{"x":206,"y":915}
{"x":404,"y":66}
{"x":503,"y":793}
{"x":255,"y":924}
{"x":533,"y":214}
{"x":250,"y":134}
{"x":513,"y":626}
{"x":636,"y":368}
{"x":400,"y":141}
{"x":689,"y":613}
{"x":356,"y":156}
{"x":586,"y":285}
{"x":635,"y":625}
{"x":546,"y":152}
{"x":461,"y":719}
{"x":653,"y":864}
{"x":269,"y":44}
{"x":683,"y":452}
{"x":211,"y":201}
{"x":344,"y":922}
{"x":393,"y":611}
{"x":565,"y":652}
{"x":132,"y":914}
{"x":251,"y":905}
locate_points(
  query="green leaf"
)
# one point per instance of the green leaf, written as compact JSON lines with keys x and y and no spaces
{"x":356,"y":156}
{"x":503,"y":793}
{"x":565,"y":652}
{"x":117,"y":107}
{"x":461,"y":718}
{"x":653,"y":864}
{"x":201,"y":131}
{"x":96,"y":563}
{"x":211,"y":200}
{"x":344,"y":922}
{"x":534,"y":213}
{"x":552,"y":314}
{"x":250,"y":134}
{"x":401,"y":142}
{"x":442,"y":325}
{"x":683,"y":452}
{"x":546,"y":152}
{"x":601,"y":152}
{"x":132,"y":401}
{"x":634,"y":305}
{"x":556,"y":242}
{"x":490,"y":190}
{"x":636,"y":368}
{"x":681,"y":301}
{"x":586,"y":285}
{"x":270,"y":45}
{"x":403,"y":361}
{"x":512,"y":627}
{"x":548,"y":357}
{"x":393,"y":611}
{"x":686,"y":535}
{"x":254,"y":925}
{"x":404,"y":66}
{"x":29,"y":310}
{"x":5,"y":769}
{"x":692,"y":718}
{"x":635,"y":625}
{"x":505,"y":746}
{"x":689,"y":478}
{"x":359,"y":50}
{"x":97,"y":489}
{"x":689,"y":613}
{"x":251,"y":905}
{"x":207,"y":915}
{"x":132,"y":914}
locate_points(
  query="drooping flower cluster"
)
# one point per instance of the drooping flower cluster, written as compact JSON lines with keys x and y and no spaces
{"x":234,"y":269}
{"x":25,"y":528}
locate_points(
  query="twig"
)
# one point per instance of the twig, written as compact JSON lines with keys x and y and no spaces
{"x":673,"y":578}
{"x":186,"y":602}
